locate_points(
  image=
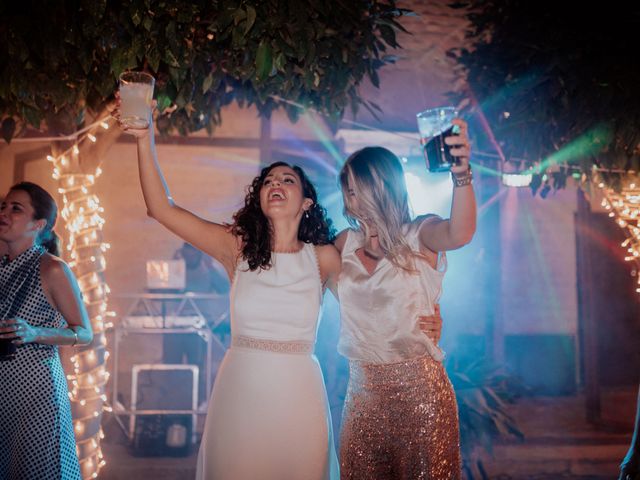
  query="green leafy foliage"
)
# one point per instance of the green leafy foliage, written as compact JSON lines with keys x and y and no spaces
{"x":556,"y":81}
{"x":61,"y":58}
{"x":482,"y":393}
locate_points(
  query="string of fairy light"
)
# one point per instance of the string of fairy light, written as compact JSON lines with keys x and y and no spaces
{"x":85,"y":251}
{"x":624,"y":207}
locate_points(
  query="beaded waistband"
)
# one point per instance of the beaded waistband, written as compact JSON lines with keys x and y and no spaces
{"x":291,"y":346}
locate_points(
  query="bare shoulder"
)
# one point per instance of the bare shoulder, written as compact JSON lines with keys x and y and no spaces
{"x":233,"y":249}
{"x":56,"y":275}
{"x":53,"y":268}
{"x":327,"y":253}
{"x":341,"y":239}
{"x":426,"y":225}
{"x":427,"y":219}
{"x":328,"y":261}
{"x":234,"y":240}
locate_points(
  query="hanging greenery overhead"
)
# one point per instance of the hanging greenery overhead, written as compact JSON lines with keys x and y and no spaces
{"x":62,"y":59}
{"x":557,"y":82}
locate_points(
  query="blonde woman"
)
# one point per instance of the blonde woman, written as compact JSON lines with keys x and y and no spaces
{"x":400,"y":417}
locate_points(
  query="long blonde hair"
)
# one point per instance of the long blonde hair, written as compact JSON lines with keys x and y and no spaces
{"x":377,"y":179}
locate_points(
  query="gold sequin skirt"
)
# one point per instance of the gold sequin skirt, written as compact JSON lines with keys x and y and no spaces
{"x":400,"y":421}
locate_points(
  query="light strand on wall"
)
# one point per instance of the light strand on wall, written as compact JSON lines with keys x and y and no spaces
{"x":624,"y":209}
{"x":85,"y":251}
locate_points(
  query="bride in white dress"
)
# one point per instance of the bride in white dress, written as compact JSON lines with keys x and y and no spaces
{"x":268,"y":415}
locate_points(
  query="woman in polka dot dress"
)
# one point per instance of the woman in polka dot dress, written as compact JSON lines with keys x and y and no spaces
{"x":40,"y":308}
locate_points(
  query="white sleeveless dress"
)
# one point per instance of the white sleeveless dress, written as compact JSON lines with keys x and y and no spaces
{"x":268,"y":415}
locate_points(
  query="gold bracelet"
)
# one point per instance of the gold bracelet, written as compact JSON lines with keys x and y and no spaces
{"x":463,"y":179}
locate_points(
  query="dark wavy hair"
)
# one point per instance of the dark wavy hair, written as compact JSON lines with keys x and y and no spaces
{"x":44,"y":206}
{"x":250,"y":223}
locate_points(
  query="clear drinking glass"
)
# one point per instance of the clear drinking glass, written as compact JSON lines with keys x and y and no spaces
{"x":434,"y":126}
{"x":136,"y":94}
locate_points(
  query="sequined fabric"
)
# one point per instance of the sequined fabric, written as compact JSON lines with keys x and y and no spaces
{"x":400,"y":421}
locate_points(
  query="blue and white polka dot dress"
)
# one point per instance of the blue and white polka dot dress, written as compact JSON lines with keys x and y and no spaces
{"x":36,"y":432}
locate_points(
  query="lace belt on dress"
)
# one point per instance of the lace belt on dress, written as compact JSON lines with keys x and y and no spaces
{"x":290,"y":346}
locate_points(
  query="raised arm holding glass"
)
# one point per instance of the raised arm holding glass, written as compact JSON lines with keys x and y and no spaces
{"x":400,"y":416}
{"x":268,"y":415}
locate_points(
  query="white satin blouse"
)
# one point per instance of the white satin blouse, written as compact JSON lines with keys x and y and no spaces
{"x":379,"y":312}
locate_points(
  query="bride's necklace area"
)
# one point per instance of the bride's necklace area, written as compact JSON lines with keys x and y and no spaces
{"x":290,"y":250}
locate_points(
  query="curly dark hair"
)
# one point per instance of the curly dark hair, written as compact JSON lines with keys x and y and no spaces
{"x":253,"y":227}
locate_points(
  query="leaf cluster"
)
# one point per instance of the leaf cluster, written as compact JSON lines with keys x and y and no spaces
{"x":557,"y":82}
{"x":62,"y":58}
{"x":483,"y":393}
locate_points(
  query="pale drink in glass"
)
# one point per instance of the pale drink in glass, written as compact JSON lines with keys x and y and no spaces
{"x":136,"y":94}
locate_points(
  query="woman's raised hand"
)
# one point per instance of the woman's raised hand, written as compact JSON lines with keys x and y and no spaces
{"x":459,"y":147}
{"x":136,"y":132}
